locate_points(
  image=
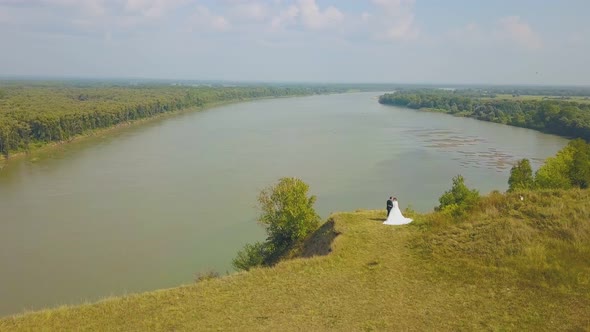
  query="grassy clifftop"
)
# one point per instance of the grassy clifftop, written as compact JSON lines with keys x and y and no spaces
{"x":512,"y":264}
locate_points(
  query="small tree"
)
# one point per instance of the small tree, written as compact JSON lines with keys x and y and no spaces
{"x":288,"y":216}
{"x":521,"y":176}
{"x":287,"y":212}
{"x":459,"y":198}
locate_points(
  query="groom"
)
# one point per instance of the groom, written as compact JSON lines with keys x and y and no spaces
{"x":389,"y":205}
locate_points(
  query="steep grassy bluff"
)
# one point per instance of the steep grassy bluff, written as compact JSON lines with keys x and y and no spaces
{"x":518,"y":261}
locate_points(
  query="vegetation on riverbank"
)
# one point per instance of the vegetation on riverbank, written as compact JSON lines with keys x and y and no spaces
{"x":509,"y":264}
{"x":38,"y":114}
{"x":570,"y":168}
{"x":563,"y":117}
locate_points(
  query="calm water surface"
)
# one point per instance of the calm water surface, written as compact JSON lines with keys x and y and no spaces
{"x":148,"y":207}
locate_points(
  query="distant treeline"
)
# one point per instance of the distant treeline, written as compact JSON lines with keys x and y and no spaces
{"x":45,"y":113}
{"x":537,"y":91}
{"x":565,"y":118}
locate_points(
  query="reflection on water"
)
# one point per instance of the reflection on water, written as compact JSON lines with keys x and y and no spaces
{"x":147,"y":207}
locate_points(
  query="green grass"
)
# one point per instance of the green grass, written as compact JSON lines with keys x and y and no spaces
{"x":510,"y":265}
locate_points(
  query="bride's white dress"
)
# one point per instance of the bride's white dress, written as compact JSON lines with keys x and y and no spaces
{"x":396,"y":217}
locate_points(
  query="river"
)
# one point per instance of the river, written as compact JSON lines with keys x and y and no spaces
{"x":151,"y":205}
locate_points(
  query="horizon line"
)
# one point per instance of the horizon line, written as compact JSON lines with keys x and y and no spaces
{"x":310,"y":82}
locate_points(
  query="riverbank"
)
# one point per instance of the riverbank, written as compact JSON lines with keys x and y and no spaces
{"x":33,"y":114}
{"x":512,"y":264}
{"x":45,"y":146}
{"x":569,"y":118}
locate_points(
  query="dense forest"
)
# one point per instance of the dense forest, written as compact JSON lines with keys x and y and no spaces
{"x":38,"y":113}
{"x":561,"y":117}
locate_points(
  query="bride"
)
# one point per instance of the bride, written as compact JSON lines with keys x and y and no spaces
{"x":395,"y":216}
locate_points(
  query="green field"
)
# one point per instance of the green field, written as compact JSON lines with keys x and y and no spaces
{"x":577,"y":99}
{"x":511,"y":265}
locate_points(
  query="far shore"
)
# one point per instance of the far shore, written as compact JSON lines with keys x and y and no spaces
{"x":48,"y":146}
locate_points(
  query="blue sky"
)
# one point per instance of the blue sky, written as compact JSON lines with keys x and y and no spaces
{"x":401,"y":41}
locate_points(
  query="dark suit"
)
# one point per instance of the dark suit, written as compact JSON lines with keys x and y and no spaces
{"x":389,"y":206}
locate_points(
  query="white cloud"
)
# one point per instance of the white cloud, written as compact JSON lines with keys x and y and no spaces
{"x":314,"y":18}
{"x":89,"y":7}
{"x":250,"y":11}
{"x":285,"y":18}
{"x":394,"y":20}
{"x":403,"y":29}
{"x":152,"y":8}
{"x":204,"y":18}
{"x":393,"y":6}
{"x":515,"y":30}
{"x":309,"y":15}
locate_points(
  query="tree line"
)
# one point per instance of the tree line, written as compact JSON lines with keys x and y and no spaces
{"x":562,"y":92}
{"x":565,"y":118}
{"x":43,"y":113}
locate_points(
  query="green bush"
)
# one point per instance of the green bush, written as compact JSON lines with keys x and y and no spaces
{"x":287,"y":212}
{"x":554,"y":174}
{"x":521,"y":176}
{"x":251,"y":256}
{"x":288,"y":216}
{"x":569,"y":168}
{"x":458,"y":199}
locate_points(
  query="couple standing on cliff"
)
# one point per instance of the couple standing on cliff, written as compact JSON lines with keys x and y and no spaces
{"x":394,"y":215}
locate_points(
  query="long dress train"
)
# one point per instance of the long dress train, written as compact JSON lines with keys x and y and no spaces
{"x":396,"y":217}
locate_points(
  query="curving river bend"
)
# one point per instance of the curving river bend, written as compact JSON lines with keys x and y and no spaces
{"x":149,"y":206}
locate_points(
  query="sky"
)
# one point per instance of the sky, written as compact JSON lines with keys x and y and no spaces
{"x":382,"y":41}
